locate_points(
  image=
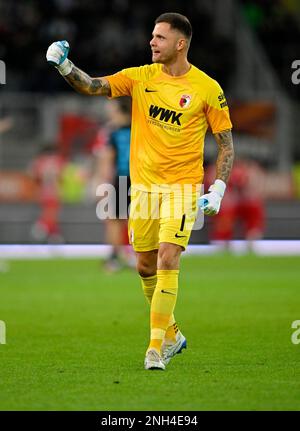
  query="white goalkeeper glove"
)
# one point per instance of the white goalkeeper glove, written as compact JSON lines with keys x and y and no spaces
{"x":57,"y":54}
{"x":210,"y":202}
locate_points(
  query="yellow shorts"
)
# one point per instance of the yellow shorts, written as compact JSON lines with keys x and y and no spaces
{"x":161,"y":217}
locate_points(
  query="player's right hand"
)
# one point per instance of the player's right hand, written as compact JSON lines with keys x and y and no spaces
{"x":57,"y":52}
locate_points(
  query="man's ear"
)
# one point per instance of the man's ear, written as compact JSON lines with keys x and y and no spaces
{"x":181,"y":44}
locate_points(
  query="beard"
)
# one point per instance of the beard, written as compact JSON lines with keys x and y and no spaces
{"x":163,"y":58}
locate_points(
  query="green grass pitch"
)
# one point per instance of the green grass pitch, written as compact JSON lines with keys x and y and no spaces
{"x":76,"y":337}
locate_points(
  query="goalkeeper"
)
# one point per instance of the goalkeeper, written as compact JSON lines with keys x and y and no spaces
{"x":173,"y":104}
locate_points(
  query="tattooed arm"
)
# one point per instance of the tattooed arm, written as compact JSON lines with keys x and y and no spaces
{"x":84,"y":84}
{"x":57,"y":56}
{"x":210,"y":203}
{"x":225,"y":155}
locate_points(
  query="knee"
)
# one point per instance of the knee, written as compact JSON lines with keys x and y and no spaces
{"x":146,"y":266}
{"x":166,"y":261}
{"x":169,"y":256}
{"x":145,"y":269}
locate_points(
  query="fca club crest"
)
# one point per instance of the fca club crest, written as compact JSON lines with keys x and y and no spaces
{"x":185,"y":101}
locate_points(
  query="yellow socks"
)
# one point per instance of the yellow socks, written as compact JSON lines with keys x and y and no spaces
{"x":162,"y":307}
{"x":149,"y":285}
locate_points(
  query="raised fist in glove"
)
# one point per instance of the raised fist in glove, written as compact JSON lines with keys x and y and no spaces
{"x":57,"y":54}
{"x":210,"y":202}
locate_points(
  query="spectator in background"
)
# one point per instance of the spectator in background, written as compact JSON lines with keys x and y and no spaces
{"x":242,"y":205}
{"x":46,"y":169}
{"x":114,"y":167}
{"x":73,"y":180}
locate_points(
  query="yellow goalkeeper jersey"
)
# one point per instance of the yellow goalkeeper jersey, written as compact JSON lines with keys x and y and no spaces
{"x":170,"y":116}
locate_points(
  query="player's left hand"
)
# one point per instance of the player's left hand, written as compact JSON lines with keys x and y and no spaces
{"x":210,"y":203}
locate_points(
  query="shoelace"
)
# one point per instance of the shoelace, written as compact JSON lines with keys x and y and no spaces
{"x":153,"y":356}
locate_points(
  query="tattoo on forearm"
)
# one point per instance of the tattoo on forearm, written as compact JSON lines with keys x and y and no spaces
{"x":225,"y":156}
{"x":95,"y":85}
{"x":84,"y":84}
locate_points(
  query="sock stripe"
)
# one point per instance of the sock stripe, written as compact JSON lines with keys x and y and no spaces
{"x":157,"y":333}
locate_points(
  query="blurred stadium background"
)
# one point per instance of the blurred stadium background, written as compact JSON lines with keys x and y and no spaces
{"x":76,"y":336}
{"x":247,"y":45}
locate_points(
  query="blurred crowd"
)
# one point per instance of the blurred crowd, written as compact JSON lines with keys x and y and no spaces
{"x":104,"y":37}
{"x":107,"y":36}
{"x":277,"y":25}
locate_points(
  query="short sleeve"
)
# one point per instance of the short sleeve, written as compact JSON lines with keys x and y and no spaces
{"x":120,"y":84}
{"x":216,"y":110}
